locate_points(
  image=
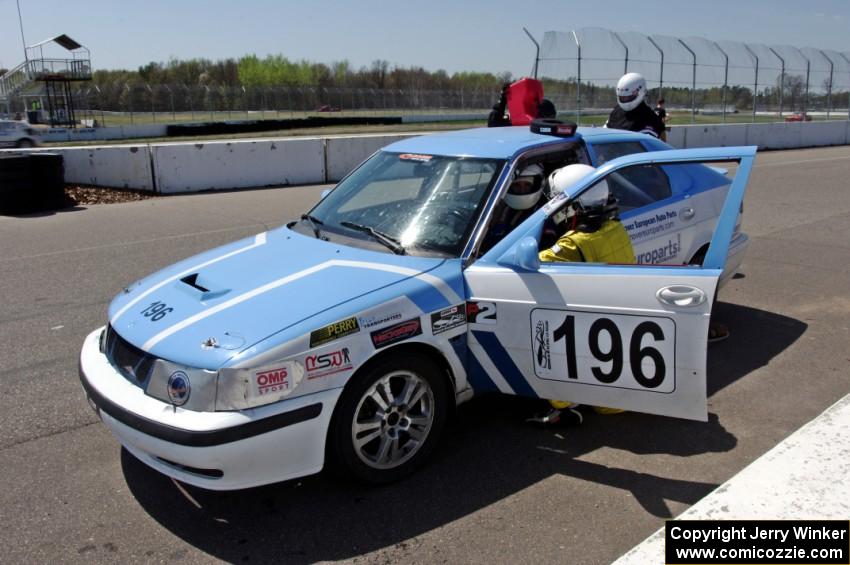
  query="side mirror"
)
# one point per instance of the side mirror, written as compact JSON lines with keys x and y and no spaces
{"x":325,"y":192}
{"x":523,"y":256}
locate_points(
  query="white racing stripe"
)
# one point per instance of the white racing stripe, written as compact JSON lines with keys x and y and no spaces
{"x":259,"y":239}
{"x":437,"y":283}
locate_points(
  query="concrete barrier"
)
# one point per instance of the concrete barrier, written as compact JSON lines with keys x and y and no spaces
{"x":676,"y":136}
{"x":109,"y":165}
{"x":775,"y":135}
{"x":818,"y":134}
{"x":192,"y":167}
{"x":345,"y":153}
{"x":122,"y":166}
{"x":720,"y":135}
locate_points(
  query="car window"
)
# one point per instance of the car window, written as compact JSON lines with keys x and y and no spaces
{"x":638,"y":186}
{"x":609,"y":151}
{"x":424,"y":202}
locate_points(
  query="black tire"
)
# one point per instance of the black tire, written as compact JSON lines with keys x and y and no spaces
{"x":399,"y":426}
{"x":24,"y":143}
{"x":699,"y":256}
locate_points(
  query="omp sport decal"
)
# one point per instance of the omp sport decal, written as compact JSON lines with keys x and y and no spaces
{"x":259,"y":239}
{"x":438,"y":283}
{"x":502,"y":360}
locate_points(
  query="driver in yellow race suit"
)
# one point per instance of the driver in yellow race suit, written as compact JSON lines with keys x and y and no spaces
{"x":593,"y":234}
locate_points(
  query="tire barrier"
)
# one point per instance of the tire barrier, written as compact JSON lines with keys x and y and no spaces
{"x":220,"y":128}
{"x":31,"y":182}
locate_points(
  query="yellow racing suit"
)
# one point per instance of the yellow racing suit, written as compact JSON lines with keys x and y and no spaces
{"x":609,"y":244}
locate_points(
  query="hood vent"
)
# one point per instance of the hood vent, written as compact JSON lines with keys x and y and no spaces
{"x":192,"y":280}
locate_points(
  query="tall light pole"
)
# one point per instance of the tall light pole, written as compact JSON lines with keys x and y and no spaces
{"x":21,"y":22}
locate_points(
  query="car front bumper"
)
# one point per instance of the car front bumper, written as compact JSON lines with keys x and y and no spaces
{"x":214,"y":450}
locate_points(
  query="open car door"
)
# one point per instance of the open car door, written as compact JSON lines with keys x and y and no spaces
{"x":621,"y":336}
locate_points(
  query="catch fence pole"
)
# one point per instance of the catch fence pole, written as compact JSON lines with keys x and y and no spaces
{"x":626,"y":48}
{"x":693,"y":83}
{"x":829,"y":89}
{"x":756,"y":80}
{"x":660,"y":69}
{"x":725,"y":78}
{"x":843,"y":56}
{"x":578,"y":80}
{"x":537,"y":46}
{"x":781,"y":80}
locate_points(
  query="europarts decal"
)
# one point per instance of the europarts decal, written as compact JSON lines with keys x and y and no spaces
{"x":396,"y":333}
{"x":327,"y":364}
{"x":334,"y":331}
{"x":661,"y":254}
{"x":643,"y":227}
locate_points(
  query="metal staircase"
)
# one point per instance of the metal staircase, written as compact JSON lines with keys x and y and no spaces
{"x":15,"y":80}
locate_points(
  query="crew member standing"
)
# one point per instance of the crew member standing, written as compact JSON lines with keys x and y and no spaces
{"x":662,"y":113}
{"x":631,"y":112}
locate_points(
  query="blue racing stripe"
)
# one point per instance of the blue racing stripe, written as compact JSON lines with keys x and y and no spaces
{"x":504,"y":363}
{"x":478,"y":378}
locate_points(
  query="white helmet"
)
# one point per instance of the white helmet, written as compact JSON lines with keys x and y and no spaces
{"x":526,"y":188}
{"x":565,"y":177}
{"x":631,"y":90}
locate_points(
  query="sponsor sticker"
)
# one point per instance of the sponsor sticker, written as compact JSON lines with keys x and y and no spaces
{"x":481,"y":312}
{"x":334,"y":331}
{"x":415,"y":157}
{"x":327,"y":364}
{"x":448,"y":318}
{"x":367,"y":322}
{"x":396,"y":333}
{"x":542,"y":356}
{"x":273,"y":381}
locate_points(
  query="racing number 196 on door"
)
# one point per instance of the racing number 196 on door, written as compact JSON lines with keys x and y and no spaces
{"x":614,"y":350}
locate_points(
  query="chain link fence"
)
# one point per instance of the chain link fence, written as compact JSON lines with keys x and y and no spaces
{"x":701,"y":80}
{"x":133,"y":103}
{"x":714,"y":81}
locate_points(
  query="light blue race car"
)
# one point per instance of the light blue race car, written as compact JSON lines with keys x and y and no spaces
{"x":348,"y":337}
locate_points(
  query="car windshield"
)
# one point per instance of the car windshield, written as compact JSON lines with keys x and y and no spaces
{"x":410,"y":203}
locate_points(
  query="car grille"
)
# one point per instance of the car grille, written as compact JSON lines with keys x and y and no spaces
{"x":132,"y":362}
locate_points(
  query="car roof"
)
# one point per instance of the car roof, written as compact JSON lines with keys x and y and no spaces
{"x":496,"y":143}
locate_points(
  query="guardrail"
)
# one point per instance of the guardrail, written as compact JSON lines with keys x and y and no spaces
{"x":170,"y":168}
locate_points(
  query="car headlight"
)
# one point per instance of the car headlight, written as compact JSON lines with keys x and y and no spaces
{"x":239,"y":389}
{"x":192,"y":389}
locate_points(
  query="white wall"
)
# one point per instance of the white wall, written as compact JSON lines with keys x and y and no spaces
{"x":345,"y":153}
{"x":119,"y":166}
{"x":720,"y":135}
{"x":191,"y":167}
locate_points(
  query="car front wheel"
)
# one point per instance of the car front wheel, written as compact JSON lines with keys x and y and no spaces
{"x":389,"y":419}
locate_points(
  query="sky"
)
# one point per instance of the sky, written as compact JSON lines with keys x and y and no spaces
{"x":470,"y":35}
